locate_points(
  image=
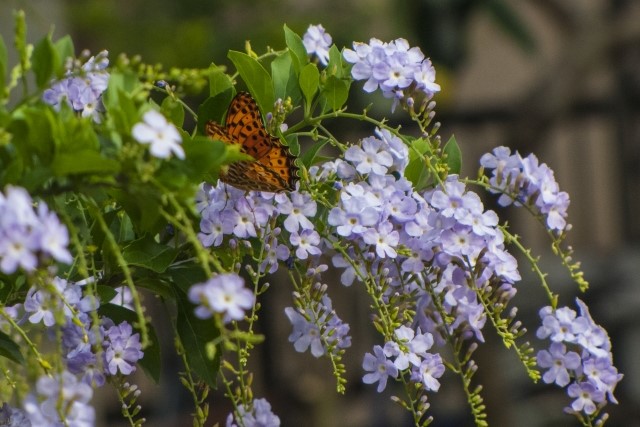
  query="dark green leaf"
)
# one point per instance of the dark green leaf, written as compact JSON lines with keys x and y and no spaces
{"x":219,"y":81}
{"x":146,"y":252}
{"x":295,"y":45}
{"x":310,"y":155}
{"x":10,"y":349}
{"x":84,"y":161}
{"x":293,"y":144}
{"x":105,"y":293}
{"x":334,"y":94}
{"x":173,"y":110}
{"x":150,"y":363}
{"x":196,"y":336}
{"x":214,"y":108}
{"x":454,"y":155}
{"x":204,"y":157}
{"x":45,"y":61}
{"x":256,"y":77}
{"x":309,"y":81}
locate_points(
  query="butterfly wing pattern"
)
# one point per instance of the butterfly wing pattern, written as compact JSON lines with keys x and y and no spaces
{"x":273,"y":169}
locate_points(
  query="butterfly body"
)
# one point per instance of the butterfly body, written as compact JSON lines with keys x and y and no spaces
{"x":273,"y":169}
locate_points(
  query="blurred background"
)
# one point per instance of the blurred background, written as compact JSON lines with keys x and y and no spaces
{"x":560,"y":78}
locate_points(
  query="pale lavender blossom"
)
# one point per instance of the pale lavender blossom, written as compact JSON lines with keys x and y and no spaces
{"x":306,"y":243}
{"x":161,"y":135}
{"x":122,"y":349}
{"x":379,"y":368}
{"x":223,"y":293}
{"x":558,"y":361}
{"x":317,"y":42}
{"x":258,"y":415}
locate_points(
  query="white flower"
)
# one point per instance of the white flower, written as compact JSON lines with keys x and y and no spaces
{"x":162,"y":135}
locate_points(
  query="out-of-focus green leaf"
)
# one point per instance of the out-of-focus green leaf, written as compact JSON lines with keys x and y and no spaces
{"x":285,"y":82}
{"x":10,"y":349}
{"x":84,"y":161}
{"x":45,"y":62}
{"x":173,"y":110}
{"x":256,"y":78}
{"x":146,"y":252}
{"x":219,"y":81}
{"x":64,"y":49}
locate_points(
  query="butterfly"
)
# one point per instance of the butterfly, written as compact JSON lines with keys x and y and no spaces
{"x":273,"y":169}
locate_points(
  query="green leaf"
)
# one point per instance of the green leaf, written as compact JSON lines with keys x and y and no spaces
{"x":10,"y":349}
{"x":214,"y":108}
{"x":64,"y":48}
{"x":196,"y":336}
{"x":309,"y":81}
{"x":151,"y":362}
{"x":309,"y":156}
{"x":337,"y":66}
{"x":106,"y":293}
{"x":256,"y":77}
{"x":219,"y":81}
{"x":173,"y":110}
{"x":454,"y":155}
{"x":4,"y":62}
{"x":147,"y":253}
{"x":295,"y":45}
{"x":334,"y":94}
{"x":417,"y":171}
{"x":293,"y":144}
{"x":45,"y":62}
{"x":84,"y":161}
{"x":142,"y":208}
{"x":285,"y":82}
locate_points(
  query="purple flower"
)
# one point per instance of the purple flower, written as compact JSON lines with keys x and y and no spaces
{"x":317,"y":42}
{"x":379,"y":367}
{"x":586,"y":395}
{"x":275,"y":252}
{"x":82,"y":361}
{"x":224,"y":293}
{"x":429,"y":370}
{"x":385,"y":239}
{"x":122,"y":349}
{"x":558,"y":361}
{"x":370,"y":158}
{"x":306,"y":242}
{"x":306,"y":334}
{"x":13,"y":417}
{"x":298,"y":210}
{"x":162,"y":136}
{"x":258,"y":415}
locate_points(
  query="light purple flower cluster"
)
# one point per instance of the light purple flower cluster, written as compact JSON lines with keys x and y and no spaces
{"x":226,"y":211}
{"x":523,"y":180}
{"x":579,"y":357}
{"x":409,"y":352}
{"x":27,"y":235}
{"x":400,"y":71}
{"x":224,"y":294}
{"x":258,"y":415}
{"x":399,"y":232}
{"x":318,"y":328}
{"x":60,"y":400}
{"x":13,"y":417}
{"x":317,"y":42}
{"x":121,"y":349}
{"x":82,"y":88}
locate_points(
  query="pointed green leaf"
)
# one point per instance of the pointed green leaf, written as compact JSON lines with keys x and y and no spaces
{"x":214,"y":108}
{"x":309,"y":155}
{"x":309,"y":81}
{"x":334,"y":94}
{"x":219,"y":81}
{"x":285,"y":82}
{"x":10,"y":349}
{"x":454,"y":155}
{"x":337,"y":66}
{"x":295,"y":45}
{"x":256,"y":77}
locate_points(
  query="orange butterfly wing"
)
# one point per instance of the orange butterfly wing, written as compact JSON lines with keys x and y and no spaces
{"x":274,"y":167}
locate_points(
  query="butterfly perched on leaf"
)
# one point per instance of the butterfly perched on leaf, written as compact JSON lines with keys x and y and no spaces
{"x":273,"y":169}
